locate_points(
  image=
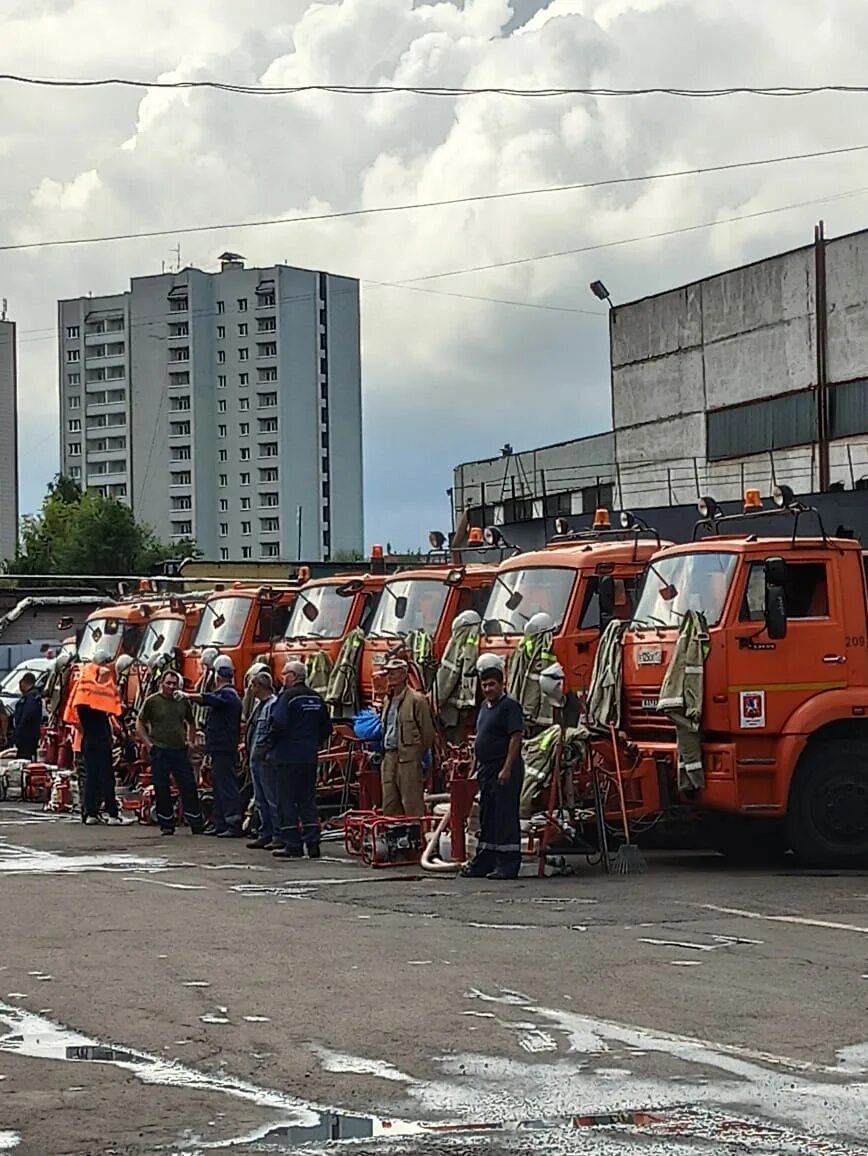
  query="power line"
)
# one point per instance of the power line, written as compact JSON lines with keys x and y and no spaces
{"x":633,"y":240}
{"x":491,"y":300}
{"x":416,"y":205}
{"x":431,"y":90}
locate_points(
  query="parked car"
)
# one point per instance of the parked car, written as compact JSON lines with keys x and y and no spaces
{"x":9,"y":692}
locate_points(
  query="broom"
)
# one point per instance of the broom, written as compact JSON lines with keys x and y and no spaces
{"x":628,"y":860}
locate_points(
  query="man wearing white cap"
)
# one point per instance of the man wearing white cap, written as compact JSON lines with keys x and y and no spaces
{"x":222,"y":736}
{"x":408,"y":733}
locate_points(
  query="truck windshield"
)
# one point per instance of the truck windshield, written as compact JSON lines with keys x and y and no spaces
{"x":425,"y":601}
{"x":161,"y":637}
{"x":685,"y":582}
{"x":104,"y":634}
{"x":233,"y":611}
{"x":331,"y":619}
{"x":536,"y":590}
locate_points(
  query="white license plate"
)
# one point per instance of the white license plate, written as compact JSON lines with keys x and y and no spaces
{"x":649,"y":704}
{"x":650,"y":656}
{"x":379,"y":660}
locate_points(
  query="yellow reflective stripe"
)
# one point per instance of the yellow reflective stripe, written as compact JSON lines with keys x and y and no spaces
{"x":789,"y":686}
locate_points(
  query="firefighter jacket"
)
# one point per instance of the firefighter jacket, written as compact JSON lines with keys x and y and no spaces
{"x":95,"y":687}
{"x":319,"y":669}
{"x":420,"y":648}
{"x":540,"y":755}
{"x":604,"y":692}
{"x":681,"y":698}
{"x":414,"y":723}
{"x":342,"y":692}
{"x":529,"y":660}
{"x":455,"y":681}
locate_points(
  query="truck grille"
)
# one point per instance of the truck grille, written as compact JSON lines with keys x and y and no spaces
{"x":641,"y":719}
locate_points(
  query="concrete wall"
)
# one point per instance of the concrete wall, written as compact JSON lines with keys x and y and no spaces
{"x":8,"y":440}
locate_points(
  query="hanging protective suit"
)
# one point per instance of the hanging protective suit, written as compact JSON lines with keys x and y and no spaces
{"x":540,"y":755}
{"x":604,"y":692}
{"x":531,"y":657}
{"x":681,"y":698}
{"x":319,"y":669}
{"x":420,"y":648}
{"x":342,"y":692}
{"x":455,"y":681}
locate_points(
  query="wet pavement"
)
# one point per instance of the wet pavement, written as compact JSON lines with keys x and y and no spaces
{"x":198,"y":997}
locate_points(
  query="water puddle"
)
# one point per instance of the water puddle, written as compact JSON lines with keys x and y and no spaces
{"x":26,"y":861}
{"x":9,"y":1141}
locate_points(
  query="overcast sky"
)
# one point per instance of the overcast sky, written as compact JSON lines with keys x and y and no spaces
{"x":445,"y":379}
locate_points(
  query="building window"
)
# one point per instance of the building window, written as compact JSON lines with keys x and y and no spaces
{"x":265,"y":300}
{"x":182,"y":378}
{"x":269,"y":549}
{"x":224,"y":505}
{"x":74,"y":379}
{"x":183,"y":503}
{"x":268,"y":450}
{"x":175,"y":405}
{"x":246,"y":552}
{"x":244,"y":480}
{"x":179,"y":305}
{"x":848,"y":409}
{"x":243,"y":354}
{"x":75,"y":425}
{"x":244,"y":429}
{"x":270,"y":525}
{"x":181,"y":529}
{"x":244,"y":404}
{"x":266,"y":349}
{"x":268,"y":425}
{"x":224,"y":480}
{"x":245,"y":503}
{"x":72,"y":332}
{"x":224,"y":529}
{"x":75,"y":402}
{"x":221,"y":332}
{"x":221,"y":405}
{"x":603,"y":494}
{"x":182,"y":353}
{"x":244,"y":455}
{"x":73,"y":355}
{"x":245,"y":529}
{"x":267,"y":400}
{"x":179,"y":329}
{"x":74,"y":449}
{"x":741,"y":430}
{"x":223,"y":455}
{"x":221,"y":431}
{"x":75,"y":471}
{"x":267,"y":375}
{"x":224,"y":550}
{"x":221,"y":356}
{"x":181,"y":454}
{"x":181,"y":478}
{"x":221,"y":381}
{"x":242,"y":329}
{"x":179,"y":429}
{"x":243,"y":378}
{"x":221,"y":306}
{"x":269,"y":474}
{"x":269,"y":499}
{"x":242,"y":304}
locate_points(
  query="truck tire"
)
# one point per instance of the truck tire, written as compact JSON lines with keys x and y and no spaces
{"x":827,"y":815}
{"x":745,"y":842}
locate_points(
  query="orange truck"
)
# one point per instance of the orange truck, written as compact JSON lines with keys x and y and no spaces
{"x":325,"y":611}
{"x":784,"y":696}
{"x":580,"y":582}
{"x":167,"y":636}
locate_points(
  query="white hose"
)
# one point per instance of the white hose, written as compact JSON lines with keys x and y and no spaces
{"x":427,"y":861}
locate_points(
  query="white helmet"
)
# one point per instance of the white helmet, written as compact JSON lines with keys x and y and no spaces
{"x":254,"y":669}
{"x":223,"y":666}
{"x":123,"y":663}
{"x":63,"y":660}
{"x":551,"y":682}
{"x":489,"y":662}
{"x":467,"y":618}
{"x":538,"y":624}
{"x":101,"y":656}
{"x":157,"y":659}
{"x":209,"y":656}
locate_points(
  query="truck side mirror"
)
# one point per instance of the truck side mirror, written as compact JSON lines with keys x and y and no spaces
{"x":606,"y":600}
{"x":775,"y":599}
{"x":401,"y":606}
{"x":310,"y":611}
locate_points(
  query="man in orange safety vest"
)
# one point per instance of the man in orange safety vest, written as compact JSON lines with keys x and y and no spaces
{"x":94,"y":702}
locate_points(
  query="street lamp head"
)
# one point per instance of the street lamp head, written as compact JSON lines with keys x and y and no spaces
{"x":600,"y":291}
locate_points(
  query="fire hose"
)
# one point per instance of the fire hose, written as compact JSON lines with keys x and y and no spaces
{"x":428,"y":862}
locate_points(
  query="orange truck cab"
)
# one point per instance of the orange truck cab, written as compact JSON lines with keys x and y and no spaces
{"x":240,"y":622}
{"x":325,"y":611}
{"x":581,"y":581}
{"x":422,"y":601}
{"x":784,"y":721}
{"x":167,"y":636}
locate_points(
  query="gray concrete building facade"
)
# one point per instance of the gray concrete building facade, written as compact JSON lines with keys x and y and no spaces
{"x":8,"y":437}
{"x":224,"y":407}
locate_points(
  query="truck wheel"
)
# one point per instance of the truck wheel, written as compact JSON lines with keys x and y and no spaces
{"x":746,"y":842}
{"x":827,"y":817}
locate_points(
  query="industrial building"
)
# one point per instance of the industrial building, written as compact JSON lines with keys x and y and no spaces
{"x":8,"y":437}
{"x":223,"y":407}
{"x":753,"y":376}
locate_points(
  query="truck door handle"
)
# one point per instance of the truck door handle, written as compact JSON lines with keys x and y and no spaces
{"x":839,"y":658}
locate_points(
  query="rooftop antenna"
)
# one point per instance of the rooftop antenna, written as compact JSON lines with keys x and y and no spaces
{"x":177,"y":254}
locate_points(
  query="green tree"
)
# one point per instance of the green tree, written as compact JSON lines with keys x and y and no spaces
{"x":83,"y":533}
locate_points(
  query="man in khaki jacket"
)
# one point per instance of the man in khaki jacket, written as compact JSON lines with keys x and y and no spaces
{"x":408,"y":732}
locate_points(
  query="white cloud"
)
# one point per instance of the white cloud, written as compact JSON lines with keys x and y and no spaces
{"x":445,"y":378}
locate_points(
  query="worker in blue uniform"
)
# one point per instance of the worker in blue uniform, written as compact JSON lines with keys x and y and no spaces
{"x":500,"y":773}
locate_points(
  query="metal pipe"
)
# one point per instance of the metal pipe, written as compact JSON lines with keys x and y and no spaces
{"x":821,"y":305}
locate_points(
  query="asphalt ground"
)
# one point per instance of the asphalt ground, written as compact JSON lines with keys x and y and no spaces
{"x":188,"y":995}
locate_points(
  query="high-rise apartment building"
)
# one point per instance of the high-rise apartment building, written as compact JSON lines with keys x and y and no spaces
{"x":224,"y":407}
{"x":8,"y":437}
